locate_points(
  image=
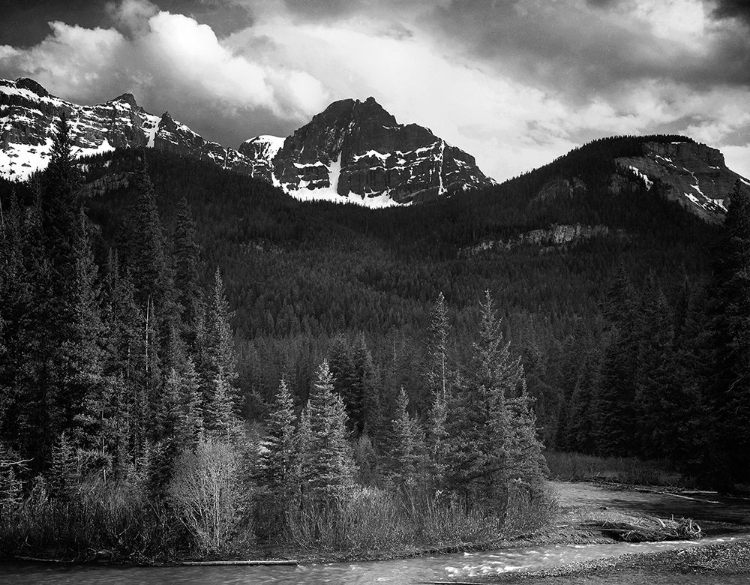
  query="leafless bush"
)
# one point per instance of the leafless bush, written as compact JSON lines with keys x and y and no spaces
{"x":209,"y":498}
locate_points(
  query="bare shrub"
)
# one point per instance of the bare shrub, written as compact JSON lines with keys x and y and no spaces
{"x":209,"y":497}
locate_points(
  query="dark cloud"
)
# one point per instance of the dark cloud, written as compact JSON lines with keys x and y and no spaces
{"x":602,"y":3}
{"x":580,"y":50}
{"x":323,"y":9}
{"x":24,"y":24}
{"x":732,"y":9}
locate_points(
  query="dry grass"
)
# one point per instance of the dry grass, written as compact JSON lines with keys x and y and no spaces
{"x":626,"y":470}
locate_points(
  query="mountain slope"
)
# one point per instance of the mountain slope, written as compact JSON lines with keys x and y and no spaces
{"x":353,"y":151}
{"x":695,"y":175}
{"x":356,"y":148}
{"x":27,"y":118}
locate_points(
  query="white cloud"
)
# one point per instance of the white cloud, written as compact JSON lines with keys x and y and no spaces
{"x":738,"y":159}
{"x":69,"y":61}
{"x":172,"y":62}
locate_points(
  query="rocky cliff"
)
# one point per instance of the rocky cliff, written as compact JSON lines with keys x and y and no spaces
{"x":693,"y":174}
{"x":555,"y":236}
{"x":357,"y":149}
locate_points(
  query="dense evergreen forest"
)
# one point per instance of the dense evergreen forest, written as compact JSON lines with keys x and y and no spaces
{"x":193,"y":331}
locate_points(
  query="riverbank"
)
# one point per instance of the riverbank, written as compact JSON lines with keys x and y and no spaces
{"x":713,"y":560}
{"x":586,"y":514}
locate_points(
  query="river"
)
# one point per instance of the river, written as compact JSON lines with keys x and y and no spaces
{"x":458,"y":567}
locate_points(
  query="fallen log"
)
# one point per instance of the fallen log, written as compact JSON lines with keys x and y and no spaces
{"x":250,"y":563}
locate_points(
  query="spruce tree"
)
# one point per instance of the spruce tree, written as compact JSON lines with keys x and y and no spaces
{"x":218,"y":365}
{"x":83,"y":351}
{"x":438,"y":440}
{"x":277,"y":461}
{"x":615,"y":405}
{"x":364,"y":413}
{"x":438,"y":372}
{"x":125,"y":362}
{"x":331,"y":467}
{"x":727,"y":386}
{"x":406,"y":453}
{"x":63,"y":473}
{"x":187,"y":264}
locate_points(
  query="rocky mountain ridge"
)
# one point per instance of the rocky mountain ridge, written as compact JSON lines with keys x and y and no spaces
{"x":695,"y":175}
{"x":353,"y":151}
{"x":356,"y":148}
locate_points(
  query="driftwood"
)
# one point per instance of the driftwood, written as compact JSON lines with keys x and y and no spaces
{"x":682,"y":529}
{"x":251,"y":563}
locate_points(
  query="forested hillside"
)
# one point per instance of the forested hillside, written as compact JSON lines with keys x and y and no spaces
{"x":162,"y":315}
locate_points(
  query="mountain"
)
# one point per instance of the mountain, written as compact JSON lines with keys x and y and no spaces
{"x":357,"y":149}
{"x":604,"y":181}
{"x":693,"y":174}
{"x":353,"y":151}
{"x":28,"y":113}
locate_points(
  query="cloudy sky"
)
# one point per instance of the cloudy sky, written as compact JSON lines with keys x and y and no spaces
{"x":516,"y":83}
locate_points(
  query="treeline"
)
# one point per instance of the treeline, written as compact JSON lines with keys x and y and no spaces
{"x":671,"y":380}
{"x":121,"y":404}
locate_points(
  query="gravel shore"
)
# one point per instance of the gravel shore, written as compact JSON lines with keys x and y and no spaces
{"x":731,"y":558}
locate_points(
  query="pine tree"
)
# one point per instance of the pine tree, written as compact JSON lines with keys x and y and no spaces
{"x":60,"y":205}
{"x":147,"y":250}
{"x":727,"y":387}
{"x":525,"y":460}
{"x":277,"y":461}
{"x":219,"y":362}
{"x":217,"y":409}
{"x":438,"y":440}
{"x":661,"y":405}
{"x":187,"y":264}
{"x":615,"y":405}
{"x":83,"y":352}
{"x":406,"y":453}
{"x":438,"y":372}
{"x":304,"y":451}
{"x":580,"y":426}
{"x":365,"y":395}
{"x":125,"y":363}
{"x":12,"y":467}
{"x":51,"y":260}
{"x":331,"y":468}
{"x":63,"y":473}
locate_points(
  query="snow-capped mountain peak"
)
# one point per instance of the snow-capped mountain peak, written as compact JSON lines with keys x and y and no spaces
{"x":353,"y":151}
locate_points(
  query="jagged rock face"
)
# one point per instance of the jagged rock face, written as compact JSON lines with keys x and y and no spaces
{"x":27,"y":120}
{"x":261,"y":150}
{"x":358,"y":148}
{"x":28,"y":114}
{"x":693,"y":174}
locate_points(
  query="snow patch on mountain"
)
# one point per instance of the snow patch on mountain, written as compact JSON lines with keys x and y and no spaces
{"x":150,"y":127}
{"x":649,"y":183}
{"x":19,"y":161}
{"x":304,"y":192}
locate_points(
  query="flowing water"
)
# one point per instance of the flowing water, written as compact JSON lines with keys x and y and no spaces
{"x":457,"y":567}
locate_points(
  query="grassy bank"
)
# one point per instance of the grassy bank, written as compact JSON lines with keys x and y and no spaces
{"x":116,"y":522}
{"x":626,"y":470}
